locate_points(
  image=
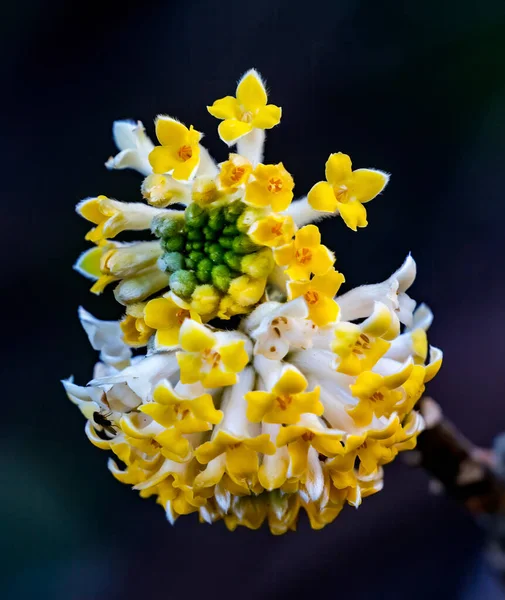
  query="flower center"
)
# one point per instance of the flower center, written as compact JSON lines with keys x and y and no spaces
{"x":308,"y":436}
{"x":185,"y":153}
{"x":284,"y":401}
{"x":237,"y":173}
{"x":180,"y":412}
{"x":274,"y":185}
{"x":277,"y":229}
{"x":377,"y":397}
{"x":211,"y":357}
{"x":361,"y":344}
{"x":303,"y":256}
{"x":181,"y":315}
{"x":341,"y":193}
{"x":311,"y":297}
{"x":247,"y":117}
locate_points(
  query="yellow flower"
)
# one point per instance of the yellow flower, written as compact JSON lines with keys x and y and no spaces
{"x":285,"y":402}
{"x":310,"y":432}
{"x":248,"y":111}
{"x":377,"y":395}
{"x":359,"y":347}
{"x":272,"y":231}
{"x":246,"y":291}
{"x":346,"y":190}
{"x":375,"y":448}
{"x":272,"y":186}
{"x":179,"y":153}
{"x":187,"y":415}
{"x":214,"y":359}
{"x":234,"y":173}
{"x":160,"y":190}
{"x":305,"y":254}
{"x":241,"y":454}
{"x":318,"y":294}
{"x":166,"y":315}
{"x":136,"y":332}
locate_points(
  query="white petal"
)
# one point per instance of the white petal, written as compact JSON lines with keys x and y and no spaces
{"x":105,"y":336}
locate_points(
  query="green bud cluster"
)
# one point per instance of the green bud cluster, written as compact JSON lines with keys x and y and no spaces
{"x":209,"y":245}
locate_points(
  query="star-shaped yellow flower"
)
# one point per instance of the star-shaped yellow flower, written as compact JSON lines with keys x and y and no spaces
{"x":305,"y":254}
{"x":271,"y":186}
{"x":318,"y":294}
{"x":214,"y":359}
{"x":285,"y":402}
{"x":179,"y":153}
{"x":234,"y":173}
{"x":187,"y":415}
{"x":346,"y":190}
{"x":377,"y":395}
{"x":248,"y":111}
{"x":166,"y":315}
{"x":273,"y":230}
{"x":136,"y":332}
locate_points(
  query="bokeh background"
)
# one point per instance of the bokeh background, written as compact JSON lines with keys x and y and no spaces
{"x":414,"y":88}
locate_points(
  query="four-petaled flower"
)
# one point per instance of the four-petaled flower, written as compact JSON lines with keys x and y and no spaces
{"x":271,"y":186}
{"x":272,"y":231}
{"x":248,"y":111}
{"x":285,"y":402}
{"x":305,"y":254}
{"x":318,"y":294}
{"x":359,"y":346}
{"x":166,"y":315}
{"x":377,"y":394}
{"x":179,"y":153}
{"x":346,"y":190}
{"x":187,"y":415}
{"x":214,"y":359}
{"x":234,"y":173}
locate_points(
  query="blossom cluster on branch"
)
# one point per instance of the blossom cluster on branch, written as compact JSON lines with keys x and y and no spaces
{"x":303,"y":402}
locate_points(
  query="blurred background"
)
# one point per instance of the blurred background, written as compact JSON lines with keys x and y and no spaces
{"x":413,"y":88}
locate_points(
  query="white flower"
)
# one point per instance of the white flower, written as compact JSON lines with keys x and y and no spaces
{"x":134,"y":147}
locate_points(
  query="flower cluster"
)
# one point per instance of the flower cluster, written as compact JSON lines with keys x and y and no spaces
{"x":303,"y":403}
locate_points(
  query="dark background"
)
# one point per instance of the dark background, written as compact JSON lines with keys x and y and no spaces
{"x":414,"y":88}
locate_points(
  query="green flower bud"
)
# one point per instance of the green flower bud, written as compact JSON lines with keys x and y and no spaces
{"x":183,"y":283}
{"x":173,"y":243}
{"x":216,"y":219}
{"x":189,"y":264}
{"x":206,"y":246}
{"x":233,"y":260}
{"x":243,"y":244}
{"x":259,"y":264}
{"x":195,"y":216}
{"x":189,"y":246}
{"x":204,"y":270}
{"x":209,"y":233}
{"x":195,"y":235}
{"x":197,"y":245}
{"x":172,"y":261}
{"x":231,"y":230}
{"x":216,"y":253}
{"x":167,"y":225}
{"x":248,"y":218}
{"x":233,"y":211}
{"x":196,"y":256}
{"x":226,"y":242}
{"x":221,"y":277}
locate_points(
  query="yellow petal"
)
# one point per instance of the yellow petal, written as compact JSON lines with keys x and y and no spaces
{"x":167,"y":338}
{"x":284,"y":254}
{"x":353,"y":214}
{"x":195,"y":337}
{"x":234,"y":356}
{"x":290,"y":382}
{"x":322,"y":260}
{"x":225,"y":108}
{"x":186,"y":170}
{"x":258,"y":403}
{"x":163,"y":159}
{"x":241,"y":462}
{"x":321,"y":197}
{"x":324,"y":311}
{"x":338,"y":168}
{"x":160,"y":313}
{"x":217,"y":378}
{"x":267,"y":117}
{"x":170,"y":132}
{"x":231,"y":130}
{"x":308,"y":237}
{"x":88,"y":264}
{"x":251,"y":92}
{"x":190,"y":365}
{"x":329,"y":283}
{"x":367,"y":183}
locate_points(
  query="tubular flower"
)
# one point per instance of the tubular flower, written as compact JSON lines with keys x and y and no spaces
{"x":346,"y":190}
{"x":305,"y":254}
{"x":272,"y":186}
{"x":308,"y":394}
{"x":248,"y":111}
{"x":179,"y":153}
